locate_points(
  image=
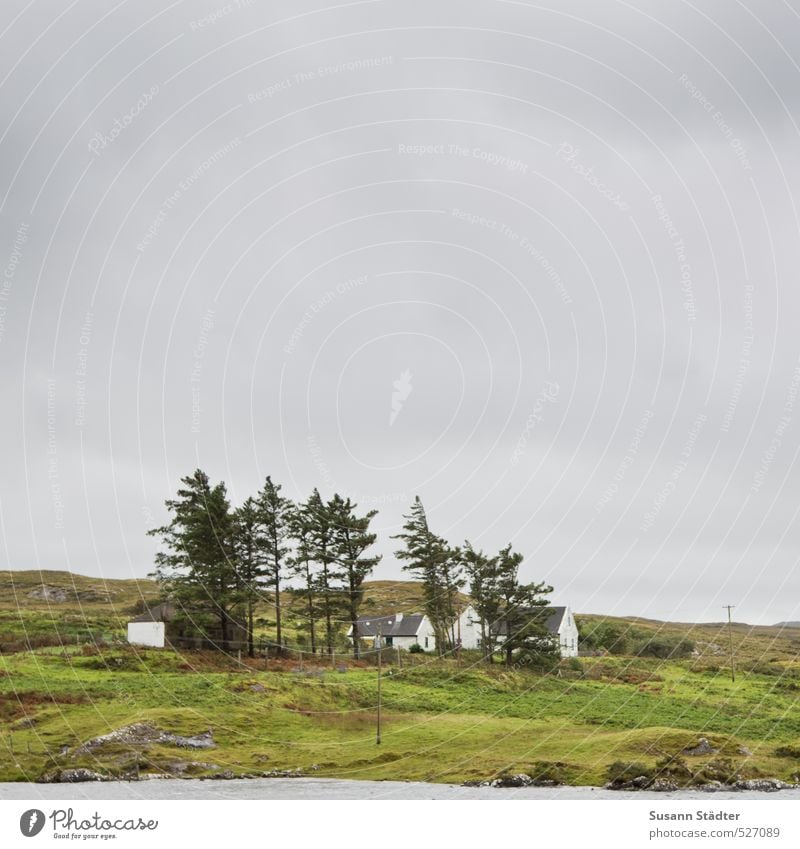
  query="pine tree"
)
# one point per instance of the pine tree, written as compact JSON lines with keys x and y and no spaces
{"x":438,"y":566}
{"x":198,"y":568}
{"x":250,"y":560}
{"x":484,"y":591}
{"x":351,"y":539}
{"x":317,"y":519}
{"x":275,"y":516}
{"x":523,"y":609}
{"x":302,"y":566}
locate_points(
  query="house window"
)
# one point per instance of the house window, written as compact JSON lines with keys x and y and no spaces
{"x":426,"y":642}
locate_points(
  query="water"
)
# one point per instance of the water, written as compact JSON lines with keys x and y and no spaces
{"x":333,"y":788}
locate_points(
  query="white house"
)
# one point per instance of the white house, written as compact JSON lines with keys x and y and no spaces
{"x":149,"y":628}
{"x":560,"y":623}
{"x":468,"y":629}
{"x":398,"y":630}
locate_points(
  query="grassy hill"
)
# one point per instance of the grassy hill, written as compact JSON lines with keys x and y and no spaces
{"x":444,"y":719}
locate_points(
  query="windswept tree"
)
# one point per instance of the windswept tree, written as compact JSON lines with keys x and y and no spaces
{"x":197,"y":569}
{"x":482,"y":572}
{"x":317,"y":518}
{"x":275,"y":517}
{"x":523,"y":610}
{"x":303,"y":567}
{"x":250,"y":560}
{"x":351,"y":538}
{"x":438,"y":566}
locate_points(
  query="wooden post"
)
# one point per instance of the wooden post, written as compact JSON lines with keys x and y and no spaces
{"x":399,"y":658}
{"x":378,"y":734}
{"x":730,"y":638}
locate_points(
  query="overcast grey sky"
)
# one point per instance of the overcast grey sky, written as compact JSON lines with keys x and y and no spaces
{"x":536,"y":263}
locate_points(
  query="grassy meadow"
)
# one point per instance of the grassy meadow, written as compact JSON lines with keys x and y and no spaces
{"x":442,"y":719}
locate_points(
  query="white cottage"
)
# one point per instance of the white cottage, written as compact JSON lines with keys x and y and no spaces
{"x":398,"y":630}
{"x":560,"y":623}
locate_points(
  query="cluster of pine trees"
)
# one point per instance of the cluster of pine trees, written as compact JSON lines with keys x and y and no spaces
{"x":506,"y":608}
{"x":219,"y":562}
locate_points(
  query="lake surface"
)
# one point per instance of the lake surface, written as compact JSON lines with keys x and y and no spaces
{"x":332,"y":788}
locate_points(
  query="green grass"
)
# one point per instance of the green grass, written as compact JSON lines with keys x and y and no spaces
{"x":442,"y":720}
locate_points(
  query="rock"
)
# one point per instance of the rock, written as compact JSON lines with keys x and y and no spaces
{"x":640,"y":782}
{"x":139,"y":735}
{"x":743,"y":750}
{"x":663,"y":785}
{"x":518,"y":780}
{"x":711,"y":787}
{"x":198,"y":741}
{"x":703,"y":747}
{"x":544,"y":782}
{"x":763,"y":785}
{"x":257,"y":688}
{"x":45,"y":593}
{"x":71,"y":776}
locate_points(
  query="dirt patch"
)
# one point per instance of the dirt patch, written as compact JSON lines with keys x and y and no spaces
{"x":17,"y":705}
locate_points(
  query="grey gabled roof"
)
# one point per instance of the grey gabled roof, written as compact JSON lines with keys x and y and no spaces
{"x":408,"y":626}
{"x":158,"y":613}
{"x":555,"y":616}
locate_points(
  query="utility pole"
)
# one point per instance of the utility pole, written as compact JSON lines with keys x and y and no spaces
{"x":730,"y":607}
{"x":378,"y":641}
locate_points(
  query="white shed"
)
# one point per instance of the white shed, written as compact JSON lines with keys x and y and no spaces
{"x":146,"y":634}
{"x":149,"y":629}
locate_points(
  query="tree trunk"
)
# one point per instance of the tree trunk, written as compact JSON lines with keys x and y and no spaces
{"x":251,"y":649}
{"x":328,"y":623}
{"x":356,"y":647}
{"x":311,"y":624}
{"x":278,"y":638}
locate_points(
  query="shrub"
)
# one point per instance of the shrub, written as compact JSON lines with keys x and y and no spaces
{"x":787,"y":752}
{"x":621,"y":772}
{"x":416,"y":649}
{"x":664,"y":647}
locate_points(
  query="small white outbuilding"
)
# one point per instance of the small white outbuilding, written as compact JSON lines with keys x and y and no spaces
{"x":149,"y":628}
{"x":146,"y":634}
